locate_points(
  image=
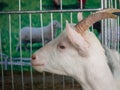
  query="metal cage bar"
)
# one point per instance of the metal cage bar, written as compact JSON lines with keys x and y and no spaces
{"x":106,"y":26}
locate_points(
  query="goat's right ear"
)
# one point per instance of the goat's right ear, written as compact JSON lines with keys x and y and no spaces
{"x":79,"y":16}
{"x":77,"y":40}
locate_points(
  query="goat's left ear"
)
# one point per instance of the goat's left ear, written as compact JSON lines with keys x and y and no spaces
{"x":77,"y":40}
{"x":79,"y":16}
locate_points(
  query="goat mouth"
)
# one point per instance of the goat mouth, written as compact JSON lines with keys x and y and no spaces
{"x":37,"y":64}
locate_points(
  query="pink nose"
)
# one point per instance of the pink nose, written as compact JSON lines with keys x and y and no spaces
{"x":33,"y":57}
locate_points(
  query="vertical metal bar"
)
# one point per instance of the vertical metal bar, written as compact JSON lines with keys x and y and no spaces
{"x":21,"y":53}
{"x":102,"y":4}
{"x":111,"y":33}
{"x":81,"y":4}
{"x":53,"y":78}
{"x":71,"y":19}
{"x":11,"y":52}
{"x":61,"y":5}
{"x":31,"y":74}
{"x":114,"y":27}
{"x":61,"y":30}
{"x":73,"y":84}
{"x":73,"y":81}
{"x":111,"y":5}
{"x":41,"y":20}
{"x":52,"y":31}
{"x":6,"y":63}
{"x":108,"y":31}
{"x":118,"y":35}
{"x":52,"y":36}
{"x":105,"y":2}
{"x":21,"y":47}
{"x":119,"y":4}
{"x":105,"y":28}
{"x":113,"y":30}
{"x":102,"y":24}
{"x":115,"y":33}
{"x":19,"y":5}
{"x":118,"y":28}
{"x":61,"y":17}
{"x":116,"y":4}
{"x":63,"y":88}
{"x":2,"y":63}
{"x":61,"y":20}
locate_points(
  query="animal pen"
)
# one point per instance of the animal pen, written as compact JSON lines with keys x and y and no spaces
{"x":16,"y":72}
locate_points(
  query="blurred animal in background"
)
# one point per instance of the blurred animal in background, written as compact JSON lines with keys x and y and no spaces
{"x":35,"y":36}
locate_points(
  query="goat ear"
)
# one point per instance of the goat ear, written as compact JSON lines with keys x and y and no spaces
{"x":79,"y":16}
{"x":77,"y":40}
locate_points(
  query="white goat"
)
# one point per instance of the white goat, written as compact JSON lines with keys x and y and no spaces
{"x":36,"y":33}
{"x":78,"y":53}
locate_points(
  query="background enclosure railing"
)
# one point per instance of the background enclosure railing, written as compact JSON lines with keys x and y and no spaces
{"x":15,"y":67}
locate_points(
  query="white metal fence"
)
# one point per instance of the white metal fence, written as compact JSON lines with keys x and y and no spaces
{"x":25,"y":78}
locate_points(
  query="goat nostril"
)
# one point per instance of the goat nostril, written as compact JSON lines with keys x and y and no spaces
{"x":33,"y":57}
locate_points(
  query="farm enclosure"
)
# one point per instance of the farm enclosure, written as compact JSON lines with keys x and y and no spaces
{"x":15,"y":65}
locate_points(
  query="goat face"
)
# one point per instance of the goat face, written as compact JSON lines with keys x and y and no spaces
{"x":56,"y":56}
{"x":66,"y":53}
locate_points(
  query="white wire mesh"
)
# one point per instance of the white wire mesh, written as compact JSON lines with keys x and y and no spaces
{"x":110,"y":29}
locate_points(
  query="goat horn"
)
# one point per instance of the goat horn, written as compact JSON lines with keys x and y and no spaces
{"x":109,"y":10}
{"x":83,"y":25}
{"x":113,"y":11}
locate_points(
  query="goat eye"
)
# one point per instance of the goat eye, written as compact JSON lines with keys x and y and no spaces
{"x":62,"y":47}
